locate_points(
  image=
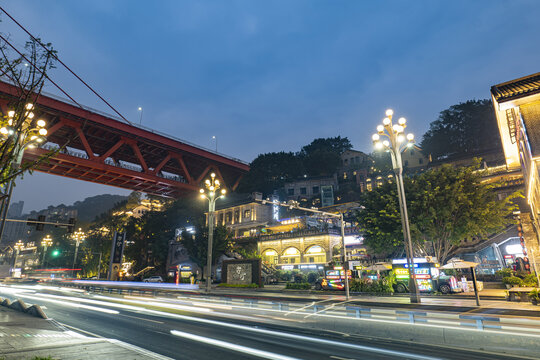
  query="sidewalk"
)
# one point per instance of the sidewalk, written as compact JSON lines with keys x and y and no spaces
{"x":492,"y":301}
{"x":23,"y":336}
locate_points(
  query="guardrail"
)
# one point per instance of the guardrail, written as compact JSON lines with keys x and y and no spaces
{"x":519,"y":325}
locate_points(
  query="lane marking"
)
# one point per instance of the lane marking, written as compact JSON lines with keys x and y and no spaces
{"x":229,"y":346}
{"x":140,"y":318}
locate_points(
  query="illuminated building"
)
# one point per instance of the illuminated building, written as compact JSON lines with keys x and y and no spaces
{"x":517,"y":108}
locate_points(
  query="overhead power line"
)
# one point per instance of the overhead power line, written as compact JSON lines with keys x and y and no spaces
{"x":65,"y":66}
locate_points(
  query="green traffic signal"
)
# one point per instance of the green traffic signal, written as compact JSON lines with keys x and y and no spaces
{"x":56,"y":252}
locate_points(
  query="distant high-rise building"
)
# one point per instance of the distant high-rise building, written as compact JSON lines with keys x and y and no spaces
{"x":16,"y":209}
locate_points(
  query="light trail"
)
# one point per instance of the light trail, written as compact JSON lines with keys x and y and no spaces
{"x":70,"y":304}
{"x":230,"y":346}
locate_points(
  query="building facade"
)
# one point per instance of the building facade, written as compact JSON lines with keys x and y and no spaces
{"x":517,"y":108}
{"x":244,"y":217}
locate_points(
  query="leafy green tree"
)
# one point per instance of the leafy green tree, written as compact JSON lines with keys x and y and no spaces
{"x":270,"y":171}
{"x":197,"y":245}
{"x":29,"y":82}
{"x":152,"y":233}
{"x":380,"y":219}
{"x":445,"y":206}
{"x":465,"y":128}
{"x":323,"y":155}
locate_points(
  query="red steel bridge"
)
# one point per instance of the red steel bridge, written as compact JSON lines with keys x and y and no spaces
{"x":106,"y":150}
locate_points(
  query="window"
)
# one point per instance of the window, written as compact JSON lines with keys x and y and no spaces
{"x":247,"y":213}
{"x":412,"y":152}
{"x":315,"y":254}
{"x":290,"y":192}
{"x":290,"y":256}
{"x":228,"y":217}
{"x":354,"y":173}
{"x":270,"y":256}
{"x":303,"y":191}
{"x":406,"y":162}
{"x":344,"y":175}
{"x":220,"y":217}
{"x":420,"y":161}
{"x":315,"y":189}
{"x":236,"y":215}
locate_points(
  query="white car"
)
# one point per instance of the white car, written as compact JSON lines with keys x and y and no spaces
{"x":155,"y":279}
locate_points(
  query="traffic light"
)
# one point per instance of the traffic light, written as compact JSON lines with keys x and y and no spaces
{"x":71,"y":225}
{"x":55,"y":253}
{"x":40,"y":226}
{"x":38,"y":223}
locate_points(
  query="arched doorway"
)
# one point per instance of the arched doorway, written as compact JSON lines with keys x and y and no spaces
{"x":290,"y":256}
{"x":315,"y":254}
{"x":270,"y":256}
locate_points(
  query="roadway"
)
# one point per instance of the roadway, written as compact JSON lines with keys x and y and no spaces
{"x":201,"y":332}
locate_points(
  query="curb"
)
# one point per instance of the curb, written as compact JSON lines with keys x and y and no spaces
{"x":19,"y":305}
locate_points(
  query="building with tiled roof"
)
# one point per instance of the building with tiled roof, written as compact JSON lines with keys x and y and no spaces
{"x":517,"y":108}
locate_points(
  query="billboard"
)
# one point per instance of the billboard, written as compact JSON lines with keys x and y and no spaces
{"x":117,"y":252}
{"x":327,"y":195}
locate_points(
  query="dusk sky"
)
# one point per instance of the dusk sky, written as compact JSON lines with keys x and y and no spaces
{"x":269,"y":76}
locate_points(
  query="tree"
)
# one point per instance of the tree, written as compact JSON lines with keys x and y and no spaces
{"x":27,"y":71}
{"x":465,"y":128}
{"x":452,"y":204}
{"x":323,"y":156}
{"x":445,"y":206}
{"x":380,"y":219}
{"x":197,"y":245}
{"x":270,"y":171}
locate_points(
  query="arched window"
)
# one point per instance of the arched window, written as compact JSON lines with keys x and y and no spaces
{"x":290,"y":256}
{"x":315,"y":254}
{"x":271,"y":256}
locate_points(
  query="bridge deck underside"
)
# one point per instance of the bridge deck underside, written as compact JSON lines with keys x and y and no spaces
{"x":97,"y":148}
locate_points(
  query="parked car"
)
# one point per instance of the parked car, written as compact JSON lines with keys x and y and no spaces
{"x":153,"y":279}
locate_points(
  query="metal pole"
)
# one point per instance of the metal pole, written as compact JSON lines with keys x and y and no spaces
{"x":44,"y":253}
{"x":345,"y":262}
{"x":211,"y":207}
{"x":534,"y":266}
{"x":475,"y":287}
{"x":75,"y":257}
{"x":99,"y":266}
{"x":5,"y":207}
{"x":398,"y":170}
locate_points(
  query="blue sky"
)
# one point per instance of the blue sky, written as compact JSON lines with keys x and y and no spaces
{"x":273,"y":75}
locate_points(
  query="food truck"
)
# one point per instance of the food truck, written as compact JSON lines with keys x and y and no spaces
{"x":428,"y":276}
{"x":334,"y":279}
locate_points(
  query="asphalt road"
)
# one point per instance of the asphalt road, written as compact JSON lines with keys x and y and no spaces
{"x":203,"y":336}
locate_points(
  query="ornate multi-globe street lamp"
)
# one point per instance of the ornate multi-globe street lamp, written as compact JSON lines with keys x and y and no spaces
{"x":45,"y":242}
{"x":211,"y":193}
{"x":19,"y":245}
{"x":79,"y":237}
{"x":20,"y":130}
{"x":391,"y":137}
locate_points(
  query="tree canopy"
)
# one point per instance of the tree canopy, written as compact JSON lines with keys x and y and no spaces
{"x":445,"y":206}
{"x":465,"y":128}
{"x":271,"y":171}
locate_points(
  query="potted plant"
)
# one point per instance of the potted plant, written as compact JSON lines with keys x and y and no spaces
{"x":511,"y":281}
{"x":534,"y":296}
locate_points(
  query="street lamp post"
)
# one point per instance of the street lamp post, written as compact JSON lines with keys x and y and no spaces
{"x":46,"y":242}
{"x":79,"y":237}
{"x":25,"y":132}
{"x":211,"y":193}
{"x":214,"y":137}
{"x":141,"y":110}
{"x":396,"y":142}
{"x":19,"y":245}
